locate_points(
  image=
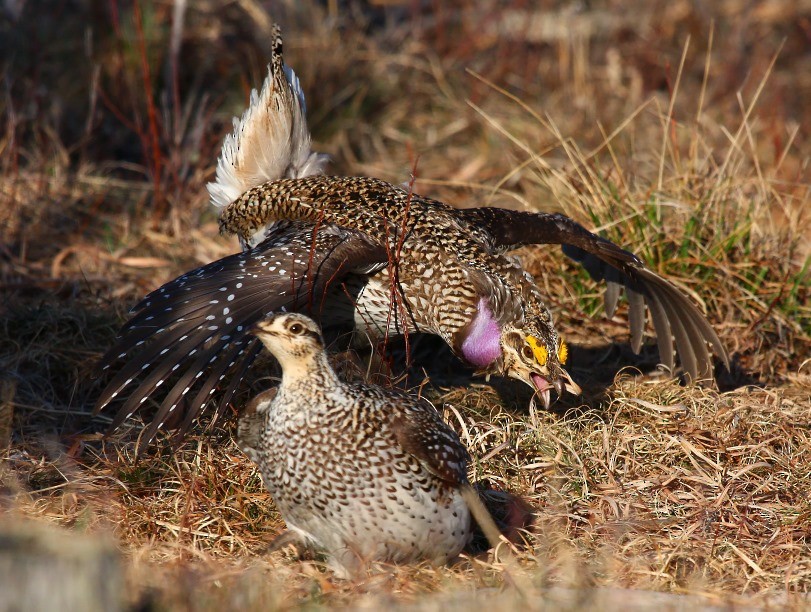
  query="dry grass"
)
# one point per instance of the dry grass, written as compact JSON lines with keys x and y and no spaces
{"x":687,"y":141}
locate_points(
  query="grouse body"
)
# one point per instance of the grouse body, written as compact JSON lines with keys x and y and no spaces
{"x":360,"y":472}
{"x":362,"y":254}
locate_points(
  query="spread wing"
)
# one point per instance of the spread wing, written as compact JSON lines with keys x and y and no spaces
{"x":192,"y":331}
{"x":674,"y":315}
{"x":421,"y":432}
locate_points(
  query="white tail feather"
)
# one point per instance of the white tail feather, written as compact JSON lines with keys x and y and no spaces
{"x":271,"y":140}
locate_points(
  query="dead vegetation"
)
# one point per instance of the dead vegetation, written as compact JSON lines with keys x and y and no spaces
{"x":682,"y":132}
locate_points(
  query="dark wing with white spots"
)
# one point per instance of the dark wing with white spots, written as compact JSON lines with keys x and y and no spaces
{"x":191,"y":333}
{"x":673,"y":314}
{"x":421,"y":432}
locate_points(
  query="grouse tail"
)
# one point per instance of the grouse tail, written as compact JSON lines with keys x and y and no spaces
{"x":271,"y":140}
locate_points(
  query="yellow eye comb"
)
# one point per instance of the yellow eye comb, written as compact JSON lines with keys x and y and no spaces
{"x":563,"y":352}
{"x":542,"y":355}
{"x":538,"y":349}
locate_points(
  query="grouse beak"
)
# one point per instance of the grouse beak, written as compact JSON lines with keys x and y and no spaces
{"x":543,"y":386}
{"x":261,"y":328}
{"x":265,"y":325}
{"x":255,"y":329}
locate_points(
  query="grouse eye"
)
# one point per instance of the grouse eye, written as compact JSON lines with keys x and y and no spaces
{"x":536,"y":350}
{"x":296,"y":328}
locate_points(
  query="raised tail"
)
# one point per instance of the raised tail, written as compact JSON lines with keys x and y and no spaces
{"x":271,"y":140}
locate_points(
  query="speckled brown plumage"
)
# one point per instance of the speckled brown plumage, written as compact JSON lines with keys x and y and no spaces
{"x":360,"y":472}
{"x":441,"y":259}
{"x":446,"y":256}
{"x":363,"y":255}
{"x":361,"y":252}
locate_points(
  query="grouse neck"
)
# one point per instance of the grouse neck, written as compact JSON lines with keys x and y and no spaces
{"x":310,"y":368}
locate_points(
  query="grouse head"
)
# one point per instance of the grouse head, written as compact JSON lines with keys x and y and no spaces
{"x":529,"y":350}
{"x":293,"y":339}
{"x":536,"y":358}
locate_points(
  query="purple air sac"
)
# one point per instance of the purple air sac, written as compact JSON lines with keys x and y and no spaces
{"x":482,"y":346}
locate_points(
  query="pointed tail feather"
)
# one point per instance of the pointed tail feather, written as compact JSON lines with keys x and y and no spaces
{"x":271,"y":140}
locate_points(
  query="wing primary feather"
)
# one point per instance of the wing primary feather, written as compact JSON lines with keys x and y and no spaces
{"x":191,"y":333}
{"x":702,"y":330}
{"x":636,"y":316}
{"x":684,"y":346}
{"x":225,"y":362}
{"x":612,"y":291}
{"x":690,"y":319}
{"x":170,"y":402}
{"x":249,"y":313}
{"x":241,"y":362}
{"x":252,"y":349}
{"x":661,"y":325}
{"x":177,"y":341}
{"x":699,"y":329}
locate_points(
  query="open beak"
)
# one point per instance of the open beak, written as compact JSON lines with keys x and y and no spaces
{"x":543,"y":386}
